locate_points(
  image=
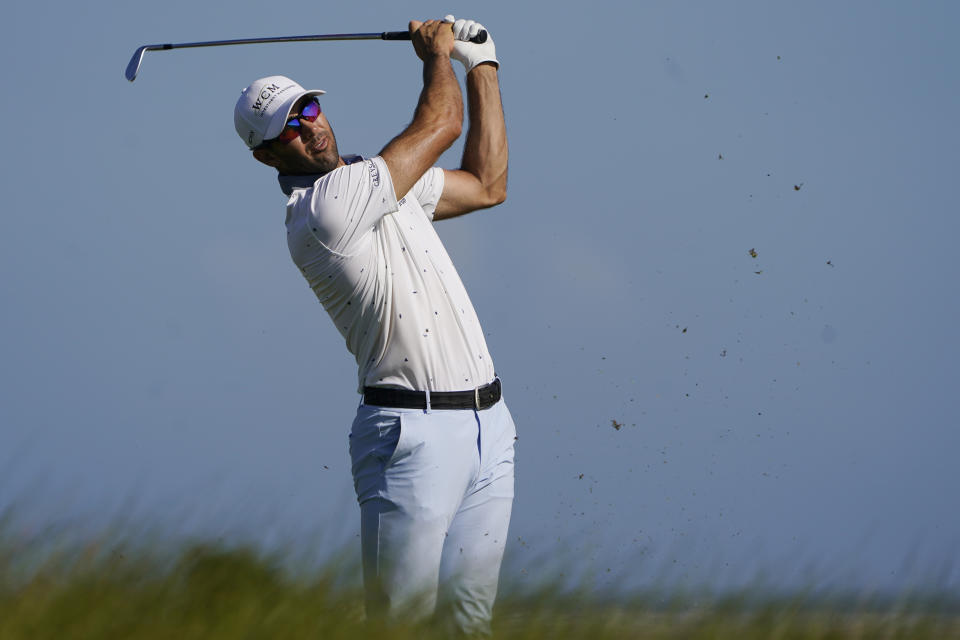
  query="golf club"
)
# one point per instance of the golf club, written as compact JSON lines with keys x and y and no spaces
{"x":134,"y":65}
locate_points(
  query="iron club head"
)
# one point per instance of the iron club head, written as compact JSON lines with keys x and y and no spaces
{"x":134,"y":65}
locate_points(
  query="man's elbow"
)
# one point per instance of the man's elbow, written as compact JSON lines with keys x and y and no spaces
{"x":454,"y":129}
{"x":450,"y":125}
{"x":497,"y":190}
{"x":497,"y":195}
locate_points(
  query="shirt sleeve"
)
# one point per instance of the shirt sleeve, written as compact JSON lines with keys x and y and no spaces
{"x":428,"y":190}
{"x":348,"y":202}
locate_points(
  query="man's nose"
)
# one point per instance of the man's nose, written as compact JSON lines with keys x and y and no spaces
{"x":308,"y":129}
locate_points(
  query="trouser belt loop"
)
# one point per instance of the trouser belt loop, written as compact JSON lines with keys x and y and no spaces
{"x":428,"y":400}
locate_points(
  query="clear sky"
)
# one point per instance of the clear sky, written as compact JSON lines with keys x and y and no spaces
{"x":721,"y":294}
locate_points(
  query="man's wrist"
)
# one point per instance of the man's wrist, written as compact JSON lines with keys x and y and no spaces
{"x":487,"y":66}
{"x":437,"y":55}
{"x":484,"y":74}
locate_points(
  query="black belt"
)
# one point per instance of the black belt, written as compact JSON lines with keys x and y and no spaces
{"x":480,"y":398}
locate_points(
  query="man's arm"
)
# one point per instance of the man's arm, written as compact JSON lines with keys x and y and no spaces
{"x":481,"y":180}
{"x":438,"y":119}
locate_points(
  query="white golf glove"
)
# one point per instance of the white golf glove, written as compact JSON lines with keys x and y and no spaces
{"x":470,"y":53}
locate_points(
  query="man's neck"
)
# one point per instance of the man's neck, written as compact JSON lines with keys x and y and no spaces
{"x":289,"y":182}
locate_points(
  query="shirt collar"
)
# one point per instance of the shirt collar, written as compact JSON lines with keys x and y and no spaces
{"x":289,"y":183}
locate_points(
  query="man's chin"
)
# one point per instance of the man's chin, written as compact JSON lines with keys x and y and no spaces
{"x":327,"y":162}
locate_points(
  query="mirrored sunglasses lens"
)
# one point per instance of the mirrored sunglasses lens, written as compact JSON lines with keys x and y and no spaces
{"x":290,"y":132}
{"x":310,"y":110}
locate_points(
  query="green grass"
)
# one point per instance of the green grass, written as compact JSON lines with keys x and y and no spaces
{"x":214,"y":591}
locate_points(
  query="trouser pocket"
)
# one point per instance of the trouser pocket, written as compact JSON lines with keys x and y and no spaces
{"x":376,"y":439}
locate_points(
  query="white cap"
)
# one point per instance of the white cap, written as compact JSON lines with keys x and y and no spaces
{"x":263,"y":108}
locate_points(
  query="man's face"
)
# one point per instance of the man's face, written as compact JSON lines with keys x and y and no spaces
{"x":313,"y":151}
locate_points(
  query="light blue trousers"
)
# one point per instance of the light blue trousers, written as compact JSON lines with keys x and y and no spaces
{"x":435,"y":491}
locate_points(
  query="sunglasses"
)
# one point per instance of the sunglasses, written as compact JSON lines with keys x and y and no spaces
{"x":309,"y":112}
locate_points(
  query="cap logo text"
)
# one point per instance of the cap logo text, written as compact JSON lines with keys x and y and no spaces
{"x":265,"y":94}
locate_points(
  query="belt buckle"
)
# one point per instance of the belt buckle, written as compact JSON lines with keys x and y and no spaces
{"x":476,"y":398}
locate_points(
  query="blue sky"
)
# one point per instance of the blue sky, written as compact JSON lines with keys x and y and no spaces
{"x":163,"y":359}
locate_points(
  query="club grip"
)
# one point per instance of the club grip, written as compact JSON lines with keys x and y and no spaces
{"x":480,"y":38}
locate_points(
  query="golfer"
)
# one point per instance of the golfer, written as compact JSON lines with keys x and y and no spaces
{"x":432,"y":442}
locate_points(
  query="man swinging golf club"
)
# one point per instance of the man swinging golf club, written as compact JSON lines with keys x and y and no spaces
{"x":432,"y":442}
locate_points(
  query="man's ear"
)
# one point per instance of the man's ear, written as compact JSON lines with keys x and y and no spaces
{"x":266,"y":157}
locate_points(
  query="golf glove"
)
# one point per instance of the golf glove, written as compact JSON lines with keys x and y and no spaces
{"x":470,"y":53}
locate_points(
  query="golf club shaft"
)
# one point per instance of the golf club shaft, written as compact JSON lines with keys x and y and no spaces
{"x":134,"y":65}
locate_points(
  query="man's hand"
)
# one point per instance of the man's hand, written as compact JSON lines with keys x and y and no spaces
{"x":469,"y":53}
{"x":431,"y":38}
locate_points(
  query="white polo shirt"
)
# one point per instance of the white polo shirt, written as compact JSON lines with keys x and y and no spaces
{"x":381,"y":272}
